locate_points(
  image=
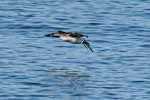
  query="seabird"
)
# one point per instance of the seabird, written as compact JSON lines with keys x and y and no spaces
{"x":74,"y":38}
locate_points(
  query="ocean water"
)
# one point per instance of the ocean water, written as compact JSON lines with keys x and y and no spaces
{"x":40,"y":68}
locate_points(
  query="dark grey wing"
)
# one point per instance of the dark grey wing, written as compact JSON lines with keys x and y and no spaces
{"x":87,"y":45}
{"x":76,"y":34}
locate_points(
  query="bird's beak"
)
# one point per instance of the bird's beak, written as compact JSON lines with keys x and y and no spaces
{"x":50,"y":35}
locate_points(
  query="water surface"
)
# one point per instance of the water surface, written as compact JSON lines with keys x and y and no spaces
{"x":37,"y":67}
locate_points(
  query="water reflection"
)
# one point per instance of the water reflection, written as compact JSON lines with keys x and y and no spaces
{"x":69,"y":82}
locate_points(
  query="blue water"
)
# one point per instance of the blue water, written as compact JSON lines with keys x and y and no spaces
{"x":36,"y":67}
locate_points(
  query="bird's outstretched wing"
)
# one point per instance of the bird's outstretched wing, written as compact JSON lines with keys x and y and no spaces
{"x":76,"y":34}
{"x":87,"y":45}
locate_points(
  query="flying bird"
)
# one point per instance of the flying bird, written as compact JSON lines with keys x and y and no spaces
{"x":74,"y":38}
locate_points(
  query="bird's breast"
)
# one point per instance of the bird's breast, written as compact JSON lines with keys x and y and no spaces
{"x":74,"y":40}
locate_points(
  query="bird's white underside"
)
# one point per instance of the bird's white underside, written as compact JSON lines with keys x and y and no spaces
{"x":74,"y":40}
